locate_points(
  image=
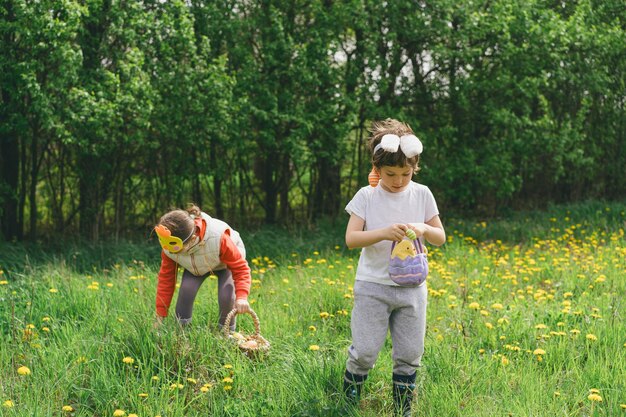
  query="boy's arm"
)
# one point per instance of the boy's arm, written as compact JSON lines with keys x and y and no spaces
{"x":432,"y":230}
{"x":356,"y":237}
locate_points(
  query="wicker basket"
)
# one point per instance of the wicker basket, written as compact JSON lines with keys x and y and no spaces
{"x":253,"y":345}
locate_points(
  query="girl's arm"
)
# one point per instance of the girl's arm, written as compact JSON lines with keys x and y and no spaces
{"x":432,"y":230}
{"x":166,"y":285}
{"x":356,"y":237}
{"x":232,"y":258}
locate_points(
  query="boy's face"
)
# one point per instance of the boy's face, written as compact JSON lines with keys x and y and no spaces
{"x":395,"y":179}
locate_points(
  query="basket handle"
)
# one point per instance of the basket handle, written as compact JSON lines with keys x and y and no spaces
{"x":233,"y":313}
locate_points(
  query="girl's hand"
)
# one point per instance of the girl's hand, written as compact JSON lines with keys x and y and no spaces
{"x":418,"y":228}
{"x":242,"y":306}
{"x":395,"y":232}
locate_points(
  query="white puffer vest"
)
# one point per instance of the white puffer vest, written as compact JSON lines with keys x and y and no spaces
{"x":205,"y":256}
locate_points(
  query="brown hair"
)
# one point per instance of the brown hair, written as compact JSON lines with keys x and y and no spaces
{"x":394,"y":159}
{"x":180,"y":222}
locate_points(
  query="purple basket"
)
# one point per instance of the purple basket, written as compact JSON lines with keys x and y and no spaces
{"x":411,"y":271}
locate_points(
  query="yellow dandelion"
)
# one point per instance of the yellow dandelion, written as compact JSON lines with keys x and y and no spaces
{"x":557,"y":394}
{"x":314,"y":347}
{"x":155,"y":378}
{"x":623,"y":406}
{"x":53,"y":290}
{"x":192,"y":381}
{"x":119,"y":413}
{"x":8,"y":404}
{"x":143,"y":395}
{"x":22,"y":370}
{"x":4,"y":282}
{"x":228,"y":366}
{"x":324,"y":315}
{"x":474,"y":305}
{"x":594,"y":391}
{"x":204,"y":389}
{"x":227,"y":380}
{"x":227,"y":387}
{"x":497,"y":306}
{"x":591,"y":337}
{"x":133,"y":415}
{"x":128,"y":360}
{"x":489,"y":325}
{"x":504,"y":360}
{"x":67,"y":408}
{"x":541,"y":326}
{"x":595,"y":398}
{"x":312,"y":328}
{"x":539,"y":352}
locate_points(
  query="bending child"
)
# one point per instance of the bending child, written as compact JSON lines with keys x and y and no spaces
{"x":381,"y":214}
{"x":201,"y":245}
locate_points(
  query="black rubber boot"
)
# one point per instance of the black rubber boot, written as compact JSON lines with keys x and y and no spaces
{"x":352,"y":384}
{"x":403,"y":390}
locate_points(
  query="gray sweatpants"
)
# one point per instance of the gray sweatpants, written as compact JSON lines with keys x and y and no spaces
{"x":377,"y":308}
{"x":189,"y":286}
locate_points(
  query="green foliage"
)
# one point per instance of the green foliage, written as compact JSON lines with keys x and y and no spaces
{"x":114,"y":112}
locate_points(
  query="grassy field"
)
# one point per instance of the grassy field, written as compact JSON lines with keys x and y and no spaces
{"x":526,"y":317}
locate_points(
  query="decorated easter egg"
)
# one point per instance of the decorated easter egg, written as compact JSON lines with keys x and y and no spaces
{"x":410,"y":233}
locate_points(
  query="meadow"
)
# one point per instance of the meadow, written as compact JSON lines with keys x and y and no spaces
{"x":526,"y":317}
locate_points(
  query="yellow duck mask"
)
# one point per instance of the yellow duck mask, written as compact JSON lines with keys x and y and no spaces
{"x":168,"y":242}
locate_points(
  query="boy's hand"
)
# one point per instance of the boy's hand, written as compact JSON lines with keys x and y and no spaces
{"x":418,"y":228}
{"x":242,"y":306}
{"x":395,"y":232}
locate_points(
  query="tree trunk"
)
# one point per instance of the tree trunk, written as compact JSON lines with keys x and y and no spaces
{"x":9,"y":180}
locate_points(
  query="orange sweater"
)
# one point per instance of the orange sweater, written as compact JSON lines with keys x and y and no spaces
{"x":229,"y":255}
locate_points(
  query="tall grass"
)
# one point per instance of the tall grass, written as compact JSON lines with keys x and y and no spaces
{"x":525,"y":318}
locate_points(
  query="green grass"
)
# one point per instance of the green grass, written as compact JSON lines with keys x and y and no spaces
{"x":498,"y":291}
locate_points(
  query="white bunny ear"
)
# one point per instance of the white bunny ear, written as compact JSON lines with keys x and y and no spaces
{"x":390,"y":143}
{"x":410,"y":145}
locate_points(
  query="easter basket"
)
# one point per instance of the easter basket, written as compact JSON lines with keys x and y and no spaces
{"x":253,"y":345}
{"x":408,"y":264}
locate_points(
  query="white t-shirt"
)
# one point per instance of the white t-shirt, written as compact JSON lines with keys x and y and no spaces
{"x":380,"y":208}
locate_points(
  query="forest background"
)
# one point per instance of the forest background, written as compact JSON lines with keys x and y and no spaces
{"x":111,"y":112}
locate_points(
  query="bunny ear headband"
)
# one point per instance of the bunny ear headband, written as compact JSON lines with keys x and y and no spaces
{"x":409,"y":144}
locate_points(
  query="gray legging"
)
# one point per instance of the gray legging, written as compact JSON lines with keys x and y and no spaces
{"x":188,"y":290}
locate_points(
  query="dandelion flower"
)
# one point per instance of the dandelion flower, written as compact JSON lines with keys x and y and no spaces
{"x":474,"y":306}
{"x":128,"y":360}
{"x":595,"y":398}
{"x":539,"y":352}
{"x":227,"y":380}
{"x":227,"y":387}
{"x":314,"y":347}
{"x":312,"y":328}
{"x":22,"y":370}
{"x":67,"y":408}
{"x":53,"y":290}
{"x":133,"y":415}
{"x":143,"y":395}
{"x":8,"y":404}
{"x":192,"y":381}
{"x":324,"y":315}
{"x":119,"y":413}
{"x":623,"y":406}
{"x":591,"y":337}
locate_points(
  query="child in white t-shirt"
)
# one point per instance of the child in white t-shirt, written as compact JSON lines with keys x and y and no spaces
{"x":379,"y":215}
